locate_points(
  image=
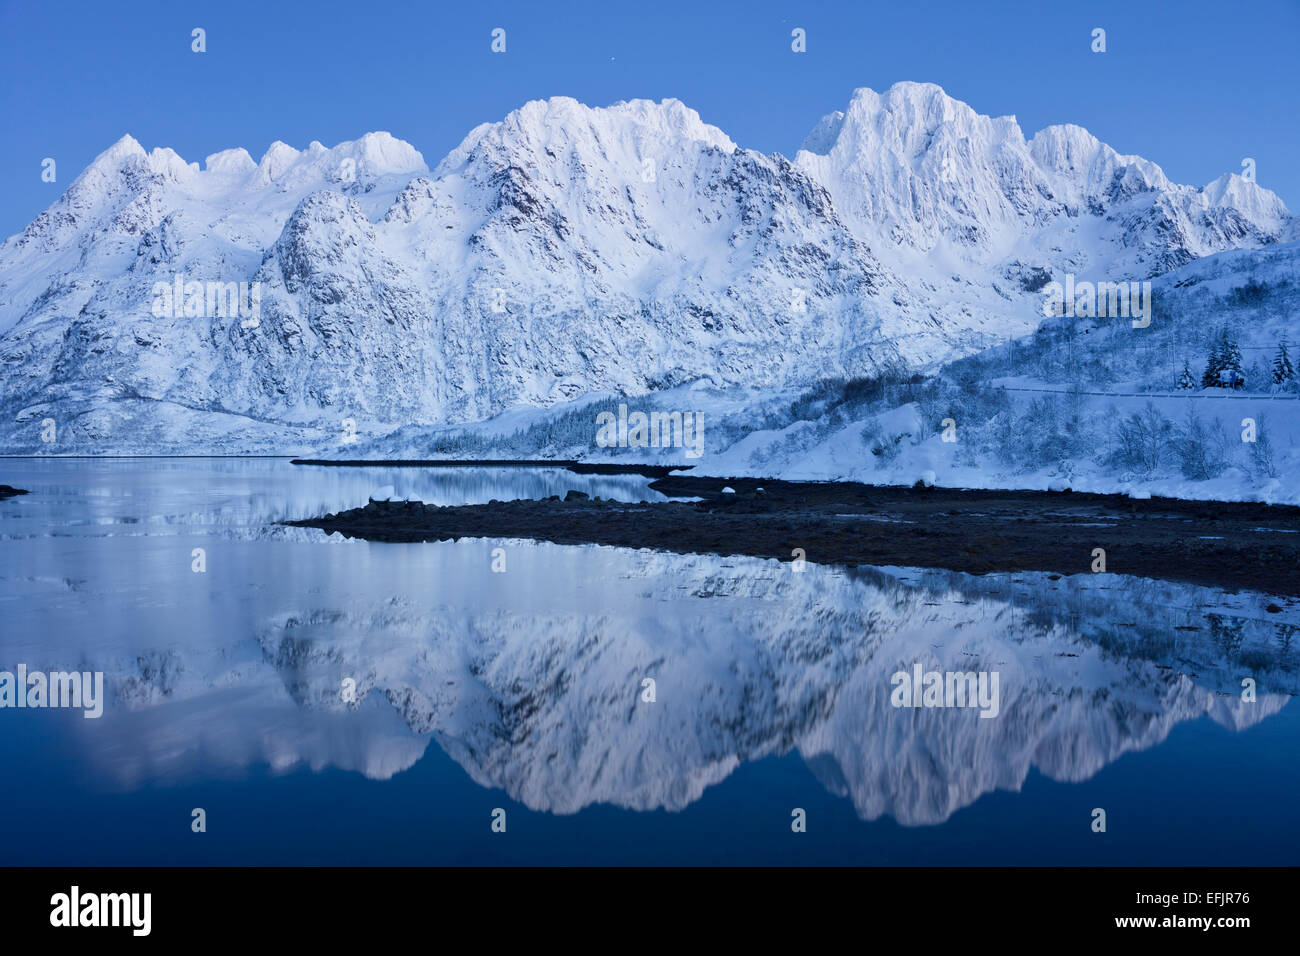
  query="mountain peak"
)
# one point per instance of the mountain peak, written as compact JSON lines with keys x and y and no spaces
{"x":279,"y":156}
{"x":908,"y":102}
{"x":369,"y":157}
{"x":229,"y":161}
{"x":905,"y":120}
{"x":125,"y":148}
{"x":906,"y":92}
{"x":561,"y":125}
{"x":381,"y":153}
{"x":930,"y":171}
{"x":1235,"y":190}
{"x":1067,"y":148}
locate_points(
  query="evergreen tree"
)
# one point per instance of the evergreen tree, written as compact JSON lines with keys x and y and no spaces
{"x":1210,"y":378}
{"x":1185,"y":380}
{"x":1283,"y":371}
{"x":1223,"y":370}
{"x":1231,"y":374}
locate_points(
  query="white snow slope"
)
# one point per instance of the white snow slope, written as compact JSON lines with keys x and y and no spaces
{"x":1051,"y":410}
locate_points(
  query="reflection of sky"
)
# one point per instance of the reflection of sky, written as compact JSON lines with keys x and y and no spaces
{"x":528,"y":681}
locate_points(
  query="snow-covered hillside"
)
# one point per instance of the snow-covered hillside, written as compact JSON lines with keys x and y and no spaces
{"x":1092,"y":404}
{"x":562,"y":252}
{"x":1087,"y":404}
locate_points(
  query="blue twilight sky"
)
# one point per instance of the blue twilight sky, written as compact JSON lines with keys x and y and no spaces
{"x":1194,"y":85}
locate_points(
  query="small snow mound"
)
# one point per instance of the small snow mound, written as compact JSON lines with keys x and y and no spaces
{"x":229,"y":162}
{"x":728,"y":490}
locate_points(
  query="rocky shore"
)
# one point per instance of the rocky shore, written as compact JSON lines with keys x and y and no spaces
{"x":1230,"y":545}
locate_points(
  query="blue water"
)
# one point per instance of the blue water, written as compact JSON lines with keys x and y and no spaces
{"x":521,"y":689}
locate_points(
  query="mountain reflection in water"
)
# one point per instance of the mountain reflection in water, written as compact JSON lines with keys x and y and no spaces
{"x":531,"y":678}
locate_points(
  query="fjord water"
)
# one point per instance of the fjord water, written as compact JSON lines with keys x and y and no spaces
{"x":522,"y":689}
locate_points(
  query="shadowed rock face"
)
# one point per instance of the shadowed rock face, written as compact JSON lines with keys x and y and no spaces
{"x":749,"y":659}
{"x":562,"y":251}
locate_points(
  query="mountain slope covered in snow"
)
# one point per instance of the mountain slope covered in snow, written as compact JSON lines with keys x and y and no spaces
{"x":1089,"y":403}
{"x":562,"y":251}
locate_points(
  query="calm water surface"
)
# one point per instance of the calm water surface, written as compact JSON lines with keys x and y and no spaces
{"x":521,"y":689}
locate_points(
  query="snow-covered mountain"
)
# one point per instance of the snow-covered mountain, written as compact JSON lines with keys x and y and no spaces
{"x":561,"y":251}
{"x":937,"y":185}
